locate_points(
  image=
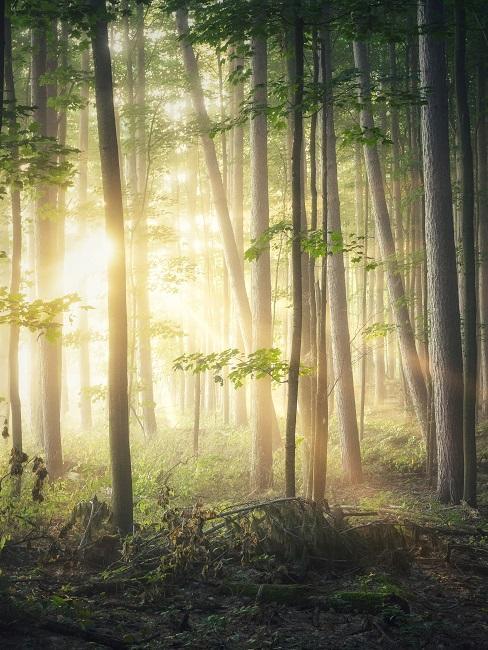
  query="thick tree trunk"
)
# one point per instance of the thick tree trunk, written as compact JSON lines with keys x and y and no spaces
{"x":469,"y":262}
{"x":445,"y":339}
{"x":141,"y":240}
{"x":262,"y":407}
{"x":47,"y":259}
{"x":411,"y":363}
{"x":117,"y":303}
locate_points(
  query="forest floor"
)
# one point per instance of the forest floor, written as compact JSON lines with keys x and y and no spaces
{"x":425,"y":587}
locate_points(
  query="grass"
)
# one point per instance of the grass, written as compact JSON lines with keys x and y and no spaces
{"x":220,"y":475}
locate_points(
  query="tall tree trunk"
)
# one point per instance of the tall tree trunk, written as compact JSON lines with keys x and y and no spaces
{"x":118,"y":403}
{"x":396,"y":184}
{"x":469,"y":263}
{"x":311,"y":263}
{"x":237,"y":216}
{"x":321,"y":433}
{"x":3,"y":53}
{"x":61,"y":219}
{"x":232,"y":257}
{"x":411,"y":363}
{"x":47,"y":257}
{"x":15,"y":276}
{"x":141,"y":240}
{"x":197,"y":398}
{"x":445,"y":339}
{"x":364,"y":306}
{"x":296,"y":334}
{"x":262,"y":409}
{"x":482,"y":187}
{"x":85,"y":370}
{"x":341,"y":346}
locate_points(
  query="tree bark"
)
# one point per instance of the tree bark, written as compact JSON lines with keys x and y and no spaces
{"x":118,"y":403}
{"x":341,"y":346}
{"x":296,"y":334}
{"x":85,"y":370}
{"x":16,"y":256}
{"x":262,"y":409}
{"x":469,"y":262}
{"x":47,"y":258}
{"x":321,"y":433}
{"x":411,"y":363}
{"x":141,"y":240}
{"x":482,"y":187}
{"x":231,"y":252}
{"x":445,"y":339}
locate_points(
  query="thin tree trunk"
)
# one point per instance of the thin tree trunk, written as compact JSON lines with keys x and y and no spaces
{"x":196,"y":412}
{"x":364,"y":306}
{"x":15,"y":276}
{"x":47,"y":258}
{"x":311,"y":262}
{"x":482,"y":154}
{"x":237,"y":215}
{"x":117,"y":304}
{"x":322,"y":399}
{"x":141,"y":240}
{"x":411,"y":363}
{"x":341,"y":347}
{"x":445,"y":339}
{"x":296,"y":335}
{"x":85,"y":370}
{"x":261,"y":464}
{"x":231,"y":252}
{"x":469,"y":262}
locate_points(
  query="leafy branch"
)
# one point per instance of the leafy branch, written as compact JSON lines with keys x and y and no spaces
{"x":265,"y":362}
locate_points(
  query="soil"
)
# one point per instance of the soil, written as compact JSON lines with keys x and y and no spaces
{"x":63,"y":602}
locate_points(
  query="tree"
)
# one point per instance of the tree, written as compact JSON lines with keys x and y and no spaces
{"x":141,"y":246}
{"x":445,"y":339}
{"x":232,"y":258}
{"x":118,"y":402}
{"x":85,"y":399}
{"x":262,"y":411}
{"x":47,"y":249}
{"x":321,"y":432}
{"x":296,"y":254}
{"x":341,"y":348}
{"x":396,"y":290}
{"x":469,"y":264}
{"x":15,"y":276}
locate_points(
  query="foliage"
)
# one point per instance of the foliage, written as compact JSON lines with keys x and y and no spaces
{"x":36,"y":315}
{"x":312,"y":242}
{"x":265,"y":362}
{"x":378,"y":330}
{"x":166,"y":329}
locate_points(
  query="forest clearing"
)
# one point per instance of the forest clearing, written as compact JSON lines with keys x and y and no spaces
{"x":243,"y":262}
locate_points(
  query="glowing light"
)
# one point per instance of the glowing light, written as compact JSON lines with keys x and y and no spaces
{"x":184,"y":226}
